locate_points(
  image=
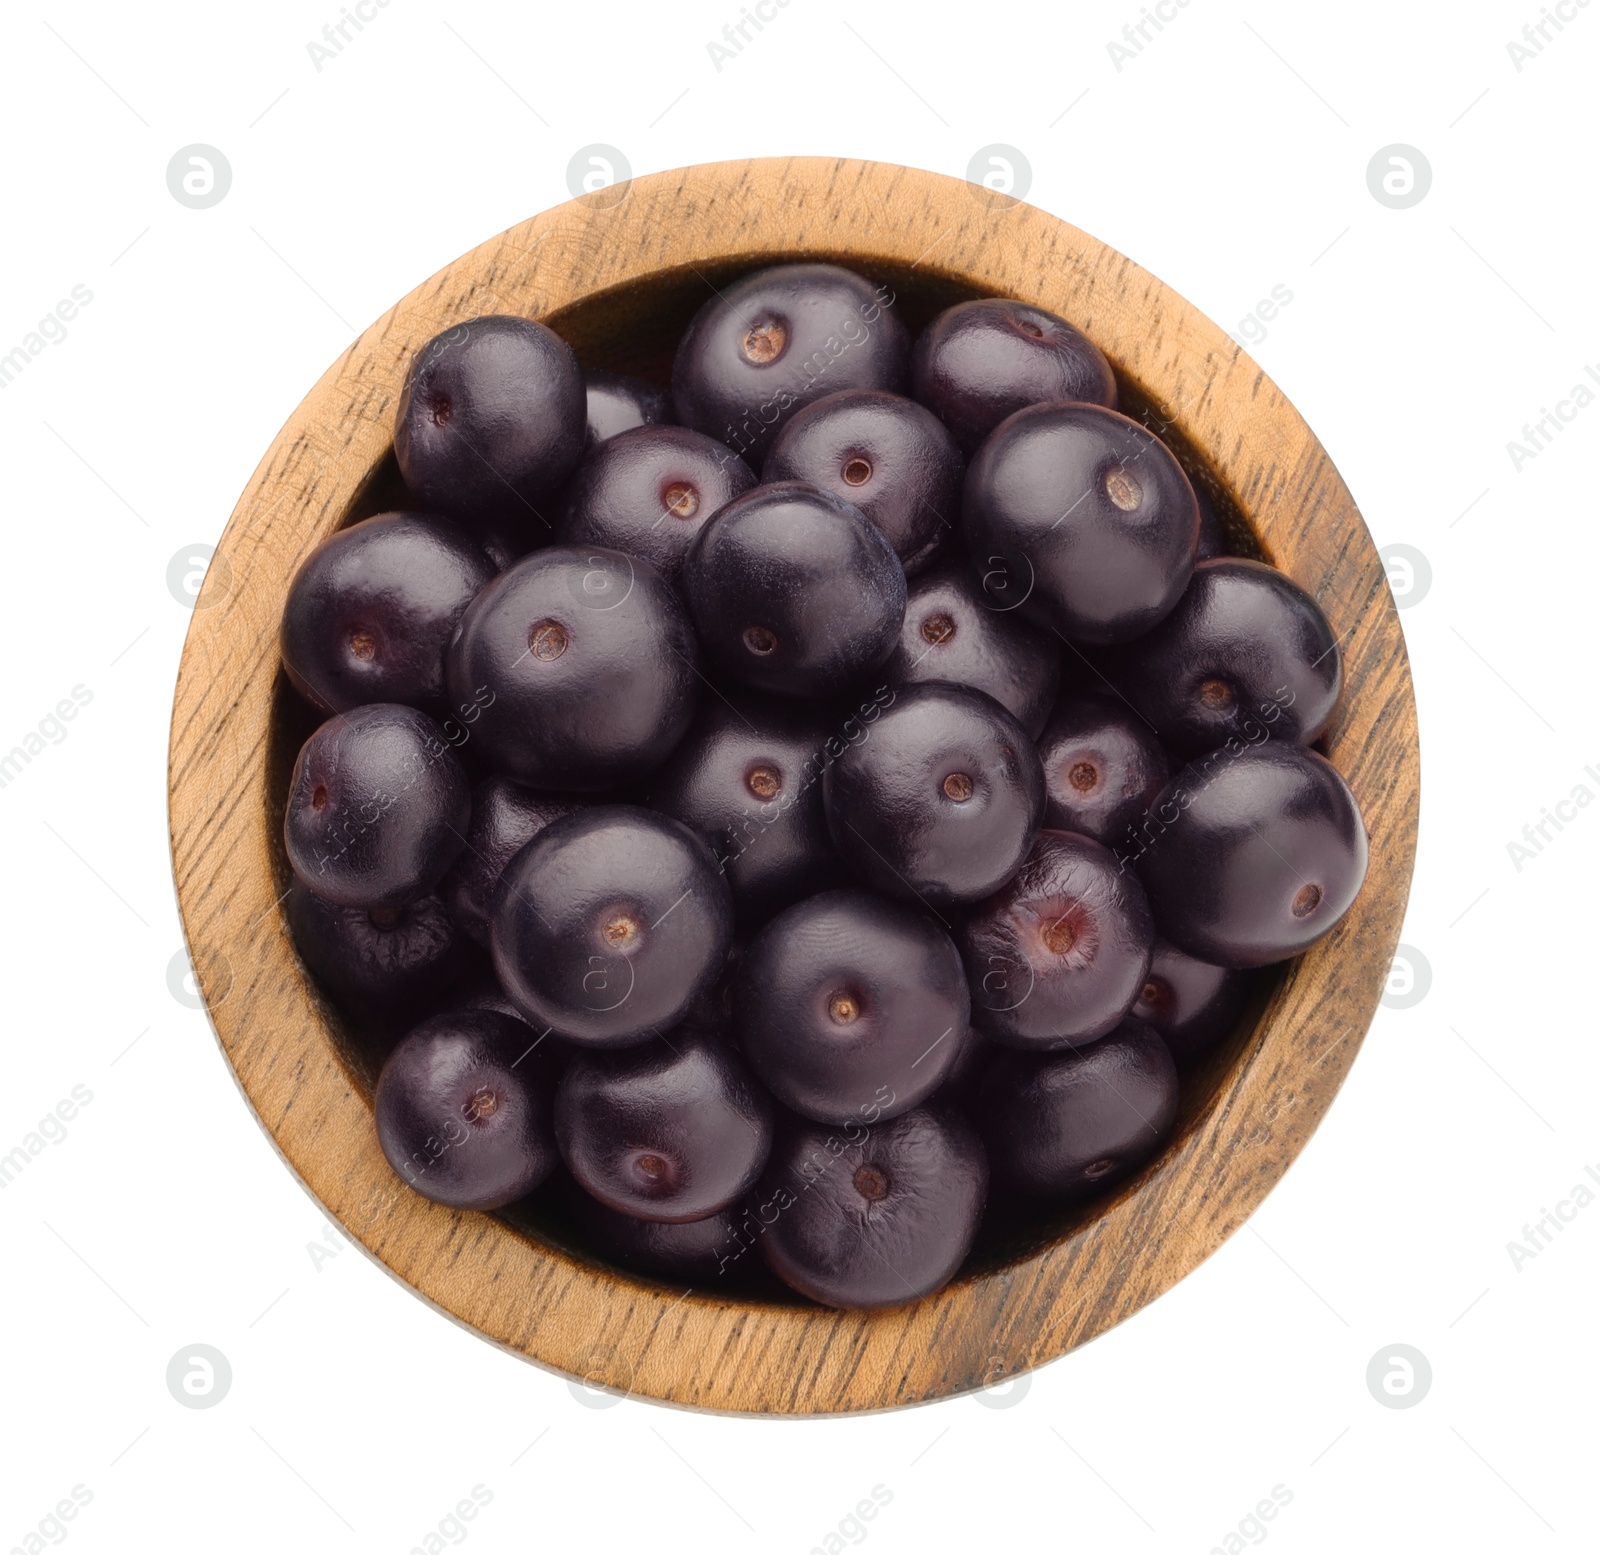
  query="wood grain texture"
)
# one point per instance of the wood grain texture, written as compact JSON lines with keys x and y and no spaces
{"x":619,"y":277}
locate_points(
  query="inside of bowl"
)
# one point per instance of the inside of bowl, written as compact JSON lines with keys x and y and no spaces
{"x":634,"y":329}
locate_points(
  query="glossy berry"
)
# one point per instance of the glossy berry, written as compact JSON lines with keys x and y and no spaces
{"x":1251,"y":858}
{"x":1190,"y":1004}
{"x":793,"y":591}
{"x":581,"y":666}
{"x":649,"y":492}
{"x":849,"y":1006}
{"x":1246,"y":654}
{"x":940,"y":801}
{"x":706,"y":1251}
{"x":1082,"y":520}
{"x":609,"y":924}
{"x":673,"y":1130}
{"x":1066,"y":1125}
{"x":371,"y":609}
{"x":875,"y":1215}
{"x":491,"y":422}
{"x":390,"y":960}
{"x":505,"y":817}
{"x":747,"y":778}
{"x":1057,"y":957}
{"x":979,"y":361}
{"x":378,"y":807}
{"x":464,"y":1114}
{"x":1102,"y":767}
{"x":614,"y":402}
{"x":888,"y":457}
{"x":777,"y":339}
{"x":952,"y":632}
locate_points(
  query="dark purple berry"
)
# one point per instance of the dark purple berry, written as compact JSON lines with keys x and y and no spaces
{"x":747,"y":777}
{"x":887,"y":456}
{"x":777,"y":339}
{"x":491,"y":422}
{"x":371,"y":609}
{"x":952,"y":632}
{"x":1190,"y":1004}
{"x":378,"y":807}
{"x":649,"y":492}
{"x":793,"y":591}
{"x":617,"y":403}
{"x":1058,"y":956}
{"x":505,"y":817}
{"x":704,"y":1251}
{"x":1102,"y":767}
{"x":673,"y":1130}
{"x":576,"y":669}
{"x":609,"y":924}
{"x":463,"y":1114}
{"x":939,"y":802}
{"x":1066,"y":1125}
{"x":979,"y":361}
{"x":1250,"y":858}
{"x":874,"y":1215}
{"x":1246,"y":654}
{"x":389,"y":960}
{"x":849,"y":1006}
{"x":1082,"y":520}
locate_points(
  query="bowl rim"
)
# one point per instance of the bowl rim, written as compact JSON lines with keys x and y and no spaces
{"x":698,"y":1348}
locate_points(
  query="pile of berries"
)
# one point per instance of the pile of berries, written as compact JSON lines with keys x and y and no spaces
{"x":800,"y":811}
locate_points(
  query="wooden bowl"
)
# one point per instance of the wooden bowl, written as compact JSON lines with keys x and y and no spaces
{"x":618,"y":274}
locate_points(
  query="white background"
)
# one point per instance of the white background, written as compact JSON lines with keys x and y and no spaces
{"x":1228,"y":157}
